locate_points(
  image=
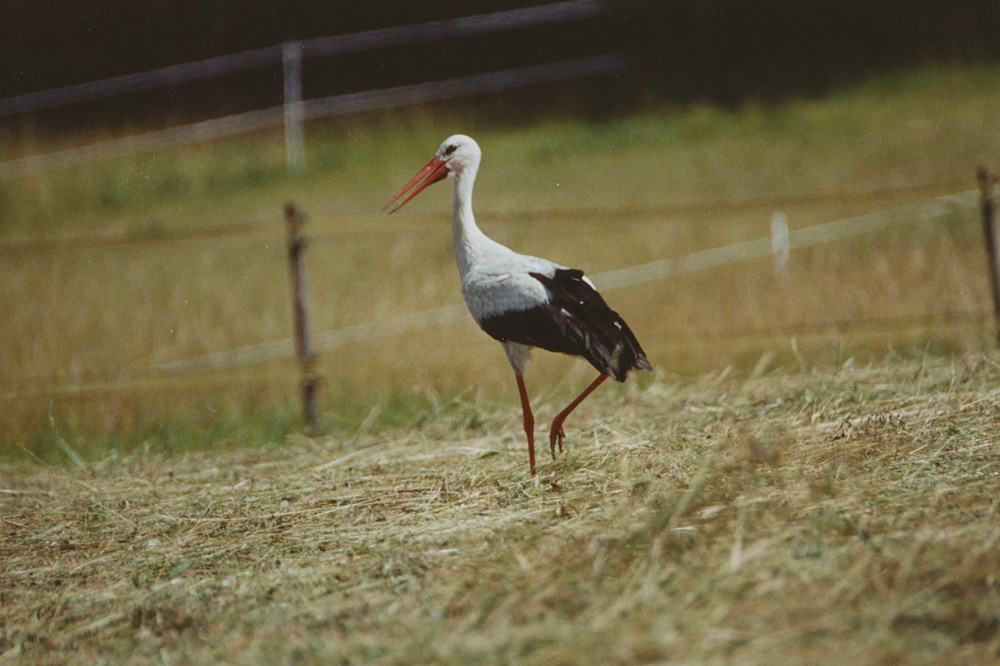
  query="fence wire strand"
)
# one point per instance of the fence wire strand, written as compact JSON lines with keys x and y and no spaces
{"x":369,"y":100}
{"x":329,"y":224}
{"x":369,"y":40}
{"x":256,"y":354}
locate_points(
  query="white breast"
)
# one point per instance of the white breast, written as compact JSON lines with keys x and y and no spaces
{"x":500,"y":282}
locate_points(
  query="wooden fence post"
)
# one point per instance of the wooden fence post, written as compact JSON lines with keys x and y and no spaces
{"x":294,"y":220}
{"x":295,"y":153}
{"x":986,"y":182}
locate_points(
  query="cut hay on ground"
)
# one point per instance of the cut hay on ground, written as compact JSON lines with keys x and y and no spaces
{"x":836,"y":517}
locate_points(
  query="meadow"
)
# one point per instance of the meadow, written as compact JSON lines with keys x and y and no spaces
{"x":117,"y":268}
{"x":807,"y":477}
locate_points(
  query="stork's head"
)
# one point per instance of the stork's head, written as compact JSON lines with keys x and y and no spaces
{"x":458,"y":155}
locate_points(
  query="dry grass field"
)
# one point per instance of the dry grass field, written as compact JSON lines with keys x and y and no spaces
{"x":809,"y":477}
{"x":815,"y":516}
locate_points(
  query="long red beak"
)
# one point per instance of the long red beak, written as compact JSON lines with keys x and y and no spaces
{"x":432,"y":172}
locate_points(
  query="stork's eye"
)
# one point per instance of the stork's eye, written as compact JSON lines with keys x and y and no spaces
{"x":450,"y":149}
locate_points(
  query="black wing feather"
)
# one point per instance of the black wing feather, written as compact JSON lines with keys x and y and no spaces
{"x":576,"y":320}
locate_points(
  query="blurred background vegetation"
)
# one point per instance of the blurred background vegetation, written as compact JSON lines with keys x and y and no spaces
{"x":728,"y":111}
{"x":721,"y":51}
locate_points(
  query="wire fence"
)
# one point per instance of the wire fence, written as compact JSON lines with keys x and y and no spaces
{"x":320,"y":47}
{"x":294,"y":111}
{"x":209,"y":366}
{"x":666,"y":213}
{"x":371,"y":100}
{"x":606,"y":281}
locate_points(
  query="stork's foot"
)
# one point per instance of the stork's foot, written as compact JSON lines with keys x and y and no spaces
{"x":556,"y":436}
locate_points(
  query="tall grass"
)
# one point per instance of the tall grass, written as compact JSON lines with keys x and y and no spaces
{"x":661,"y":183}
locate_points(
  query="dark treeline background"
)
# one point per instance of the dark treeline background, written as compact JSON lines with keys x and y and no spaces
{"x":681,"y":50}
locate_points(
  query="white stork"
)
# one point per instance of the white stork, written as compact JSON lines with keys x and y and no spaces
{"x":525,"y":301}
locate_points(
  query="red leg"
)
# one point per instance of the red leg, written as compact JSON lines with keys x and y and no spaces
{"x":557,"y":433}
{"x":529,"y":421}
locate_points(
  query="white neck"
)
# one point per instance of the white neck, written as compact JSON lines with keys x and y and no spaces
{"x":470,"y":242}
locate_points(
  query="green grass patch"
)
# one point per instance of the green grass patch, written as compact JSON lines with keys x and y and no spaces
{"x":869,"y":135}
